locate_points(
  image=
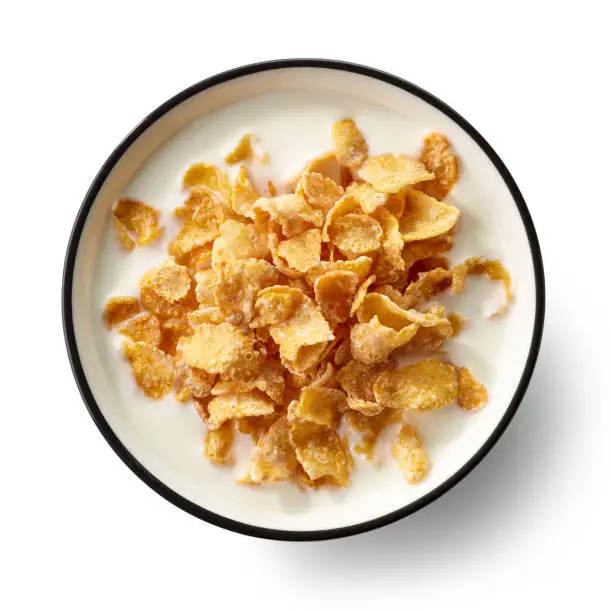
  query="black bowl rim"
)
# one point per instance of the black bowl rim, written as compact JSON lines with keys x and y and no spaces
{"x":79,"y":374}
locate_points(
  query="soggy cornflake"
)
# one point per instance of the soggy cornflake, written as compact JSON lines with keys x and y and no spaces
{"x":492,"y":268}
{"x":219,"y":443}
{"x":125,"y":241}
{"x":359,"y":266}
{"x":236,"y":406}
{"x":360,"y":294}
{"x":242,"y":151}
{"x":318,"y":190}
{"x":321,"y":451}
{"x":355,"y":234}
{"x":243,"y":194}
{"x":169,"y":280}
{"x":302,"y":252}
{"x":209,"y":176}
{"x":441,"y":162}
{"x":274,"y":305}
{"x":238,"y":284}
{"x":367,"y":198}
{"x":432,"y":337}
{"x":118,"y":309}
{"x":371,"y":427}
{"x":291,"y":211}
{"x":419,"y":387}
{"x":334,"y":293}
{"x":222,"y":349}
{"x":372,"y":342}
{"x":390,"y":173}
{"x":305,"y":327}
{"x":426,"y":217}
{"x":273,"y":459}
{"x":197,"y":381}
{"x":426,"y":286}
{"x":318,"y":405}
{"x":239,"y":241}
{"x":143,"y":328}
{"x":392,"y":315}
{"x":409,"y":455}
{"x":471,"y":394}
{"x":153,"y":370}
{"x":198,"y":258}
{"x":350,"y":146}
{"x":172,"y":331}
{"x":139,"y":218}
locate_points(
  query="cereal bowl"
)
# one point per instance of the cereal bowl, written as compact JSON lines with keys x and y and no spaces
{"x":291,"y":104}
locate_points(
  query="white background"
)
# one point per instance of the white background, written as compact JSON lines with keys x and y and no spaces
{"x":528,"y":528}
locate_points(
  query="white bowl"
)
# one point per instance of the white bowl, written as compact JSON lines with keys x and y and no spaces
{"x":291,"y":104}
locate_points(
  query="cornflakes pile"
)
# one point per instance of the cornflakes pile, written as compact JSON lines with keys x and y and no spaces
{"x":284,"y":316}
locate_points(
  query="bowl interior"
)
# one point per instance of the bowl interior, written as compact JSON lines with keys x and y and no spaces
{"x":291,"y":110}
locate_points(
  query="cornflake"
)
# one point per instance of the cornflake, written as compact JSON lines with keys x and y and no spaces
{"x":318,"y":190}
{"x":236,"y":406}
{"x":492,"y":268}
{"x":471,"y":395}
{"x":274,"y":305}
{"x":426,"y":286}
{"x":169,"y":281}
{"x":243,"y":194}
{"x":409,"y":455}
{"x":291,"y":211}
{"x":367,"y":198}
{"x":126,"y":242}
{"x":356,"y":234}
{"x":219,"y":443}
{"x":419,"y":387}
{"x":334,"y":292}
{"x":390,"y":173}
{"x":441,"y":162}
{"x":209,"y":176}
{"x":118,"y":309}
{"x":136,"y":217}
{"x":425,"y":217}
{"x":372,"y":342}
{"x":318,"y":405}
{"x":152,"y":369}
{"x":357,"y":380}
{"x":239,"y":241}
{"x":242,"y":151}
{"x":143,"y":328}
{"x":302,"y":252}
{"x":350,"y":147}
{"x":371,"y":428}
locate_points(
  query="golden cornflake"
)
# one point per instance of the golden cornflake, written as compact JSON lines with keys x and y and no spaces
{"x":471,"y":394}
{"x":152,"y":369}
{"x":197,"y":381}
{"x":321,"y":451}
{"x":492,"y":268}
{"x":168,"y":280}
{"x":222,"y":349}
{"x":360,"y":266}
{"x":441,"y":162}
{"x":372,"y":342}
{"x":318,"y":190}
{"x":355,"y":234}
{"x":236,"y":406}
{"x":318,"y":405}
{"x":409,"y":455}
{"x":139,"y":218}
{"x":243,"y":194}
{"x":334,"y":293}
{"x":143,"y":328}
{"x":360,"y":294}
{"x":238,"y":284}
{"x":426,"y":286}
{"x":209,"y":176}
{"x":302,"y":252}
{"x":273,"y":458}
{"x":274,"y":305}
{"x":239,"y":241}
{"x":305,"y":327}
{"x":431,"y":337}
{"x":242,"y":151}
{"x":457,"y":323}
{"x":119,"y":309}
{"x":219,"y":443}
{"x":206,"y":287}
{"x":350,"y":147}
{"x":126,"y":242}
{"x":172,"y":331}
{"x":189,"y":238}
{"x":425,"y":217}
{"x":419,"y":387}
{"x":291,"y":211}
{"x":390,"y":173}
{"x":367,"y":198}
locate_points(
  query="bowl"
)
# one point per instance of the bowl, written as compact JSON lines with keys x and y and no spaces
{"x":291,"y":104}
